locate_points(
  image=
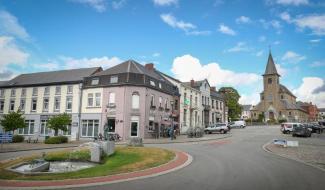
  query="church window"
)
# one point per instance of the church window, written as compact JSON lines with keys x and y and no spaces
{"x":262,"y":97}
{"x":282,"y":97}
{"x":269,"y":80}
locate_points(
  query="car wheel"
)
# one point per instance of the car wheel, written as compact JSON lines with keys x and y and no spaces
{"x":222,"y":131}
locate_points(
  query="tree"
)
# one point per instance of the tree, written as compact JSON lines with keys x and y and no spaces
{"x":59,"y":122}
{"x":231,"y":98}
{"x":13,"y":121}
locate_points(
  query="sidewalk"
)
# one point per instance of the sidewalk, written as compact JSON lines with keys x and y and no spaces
{"x":16,"y":147}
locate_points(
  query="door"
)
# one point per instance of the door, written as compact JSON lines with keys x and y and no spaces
{"x":134,"y":126}
{"x":111,"y":124}
{"x":271,"y":115}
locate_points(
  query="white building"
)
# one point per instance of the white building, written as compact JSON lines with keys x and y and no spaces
{"x":42,"y":95}
{"x":246,"y":112}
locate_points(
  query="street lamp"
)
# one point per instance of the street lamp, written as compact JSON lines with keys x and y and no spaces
{"x":171,"y":115}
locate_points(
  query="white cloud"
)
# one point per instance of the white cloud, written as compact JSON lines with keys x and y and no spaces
{"x":173,"y":22}
{"x":282,"y":71}
{"x":276,"y":43}
{"x":240,"y":47}
{"x":105,"y":62}
{"x":10,"y":53}
{"x":286,"y":17}
{"x":316,"y":23}
{"x":273,"y":23}
{"x":9,"y":25}
{"x":261,"y":39}
{"x":226,"y":30}
{"x":165,"y":2}
{"x":292,"y":2}
{"x":50,"y":66}
{"x":98,"y":5}
{"x":315,"y":40}
{"x":292,"y":57}
{"x":243,"y":20}
{"x":187,"y":67}
{"x":251,"y":99}
{"x":156,"y":54}
{"x":118,"y":4}
{"x":259,"y":53}
{"x":318,"y":64}
{"x":306,"y":91}
{"x":199,"y":33}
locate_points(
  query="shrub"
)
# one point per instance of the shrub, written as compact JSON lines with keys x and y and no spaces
{"x":56,"y":140}
{"x":282,"y":120}
{"x":17,"y":138}
{"x":78,"y":155}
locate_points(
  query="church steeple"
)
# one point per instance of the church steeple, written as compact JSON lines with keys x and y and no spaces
{"x":270,"y":67}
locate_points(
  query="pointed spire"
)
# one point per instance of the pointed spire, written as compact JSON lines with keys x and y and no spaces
{"x":270,"y":67}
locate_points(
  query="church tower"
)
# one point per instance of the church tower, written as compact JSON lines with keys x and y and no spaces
{"x":269,"y":96}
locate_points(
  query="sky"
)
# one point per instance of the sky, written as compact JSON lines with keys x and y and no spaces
{"x":227,"y":42}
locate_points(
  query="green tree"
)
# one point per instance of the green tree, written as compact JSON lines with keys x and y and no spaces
{"x":231,"y":98}
{"x":13,"y":121}
{"x":59,"y":122}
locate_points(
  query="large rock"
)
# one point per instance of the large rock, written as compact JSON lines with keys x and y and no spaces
{"x":108,"y":147}
{"x":135,"y":141}
{"x":95,"y":153}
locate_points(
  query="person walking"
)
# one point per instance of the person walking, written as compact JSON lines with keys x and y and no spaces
{"x":171,"y":132}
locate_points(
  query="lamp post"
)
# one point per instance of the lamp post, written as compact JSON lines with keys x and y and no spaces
{"x":171,"y":116}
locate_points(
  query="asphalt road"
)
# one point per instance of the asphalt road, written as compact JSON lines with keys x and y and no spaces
{"x":236,"y":163}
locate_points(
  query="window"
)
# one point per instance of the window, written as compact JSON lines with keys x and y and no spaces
{"x":29,"y":129}
{"x":97,"y":99}
{"x":68,"y":132}
{"x":69,"y":103}
{"x":13,"y":93}
{"x":262,"y":97}
{"x":270,"y":97}
{"x":152,"y":83}
{"x":152,"y":100}
{"x":159,"y":85}
{"x":95,"y":81}
{"x":202,"y":100}
{"x":34,"y":104}
{"x":135,"y":100}
{"x":134,"y":126}
{"x":44,"y":129}
{"x":221,"y":105}
{"x":57,"y":101}
{"x":217,"y":104}
{"x":70,"y":89}
{"x":2,"y":93}
{"x":160,"y":101}
{"x":2,"y":105}
{"x":208,"y":101}
{"x":184,"y":117}
{"x":89,"y":128}
{"x":290,"y":113}
{"x":46,"y":104}
{"x":195,"y":101}
{"x":113,"y":79}
{"x":90,"y":99}
{"x":212,"y":103}
{"x":184,"y":98}
{"x":23,"y":92}
{"x":282,"y":97}
{"x":166,"y":103}
{"x":35,"y":91}
{"x":176,"y":105}
{"x":46,"y":90}
{"x":269,"y":80}
{"x":12,"y":105}
{"x":58,"y":90}
{"x":22,"y":104}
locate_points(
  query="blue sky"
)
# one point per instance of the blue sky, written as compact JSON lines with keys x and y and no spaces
{"x":225,"y":41}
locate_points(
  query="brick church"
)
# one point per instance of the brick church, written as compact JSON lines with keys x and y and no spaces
{"x":276,"y":101}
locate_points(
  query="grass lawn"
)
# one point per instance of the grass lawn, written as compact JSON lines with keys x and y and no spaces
{"x":125,"y":159}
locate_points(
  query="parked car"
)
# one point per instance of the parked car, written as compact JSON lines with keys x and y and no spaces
{"x":315,"y":127}
{"x":287,"y":128}
{"x":237,"y":124}
{"x":219,"y":127}
{"x":301,"y":130}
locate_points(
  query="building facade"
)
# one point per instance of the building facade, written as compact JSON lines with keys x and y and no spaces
{"x":42,"y":95}
{"x":276,"y":101}
{"x":312,"y":110}
{"x":246,"y":112}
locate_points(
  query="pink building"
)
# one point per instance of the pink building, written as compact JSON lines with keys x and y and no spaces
{"x":136,"y":101}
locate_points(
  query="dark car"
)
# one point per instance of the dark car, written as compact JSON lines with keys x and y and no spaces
{"x":301,"y":130}
{"x":315,"y":127}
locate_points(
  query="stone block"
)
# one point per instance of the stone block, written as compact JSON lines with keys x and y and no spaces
{"x":135,"y":141}
{"x":95,"y":154}
{"x":108,"y":147}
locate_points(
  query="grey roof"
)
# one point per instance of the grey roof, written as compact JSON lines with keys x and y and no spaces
{"x":215,"y":94}
{"x":270,"y":66}
{"x":285,"y":90}
{"x":247,"y":107}
{"x":197,"y":84}
{"x":3,"y":82}
{"x":131,"y":66}
{"x":52,"y":77}
{"x":290,"y":106}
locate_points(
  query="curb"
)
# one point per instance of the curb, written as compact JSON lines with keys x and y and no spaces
{"x":104,"y":180}
{"x":287,"y":157}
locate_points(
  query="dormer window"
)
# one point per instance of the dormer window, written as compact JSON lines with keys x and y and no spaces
{"x":94,"y":81}
{"x":269,"y":80}
{"x":113,"y":79}
{"x":152,"y":83}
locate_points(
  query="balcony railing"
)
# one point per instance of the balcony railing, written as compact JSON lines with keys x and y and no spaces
{"x":111,"y":105}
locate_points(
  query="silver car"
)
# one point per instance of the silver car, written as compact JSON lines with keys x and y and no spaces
{"x":219,"y":127}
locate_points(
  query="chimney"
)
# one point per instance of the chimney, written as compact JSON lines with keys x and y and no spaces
{"x":149,"y":66}
{"x":192,"y":83}
{"x":213,"y":88}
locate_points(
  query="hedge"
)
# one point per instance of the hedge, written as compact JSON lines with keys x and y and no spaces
{"x":56,"y":140}
{"x":17,"y":138}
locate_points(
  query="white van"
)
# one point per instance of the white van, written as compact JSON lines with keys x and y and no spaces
{"x":237,"y":124}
